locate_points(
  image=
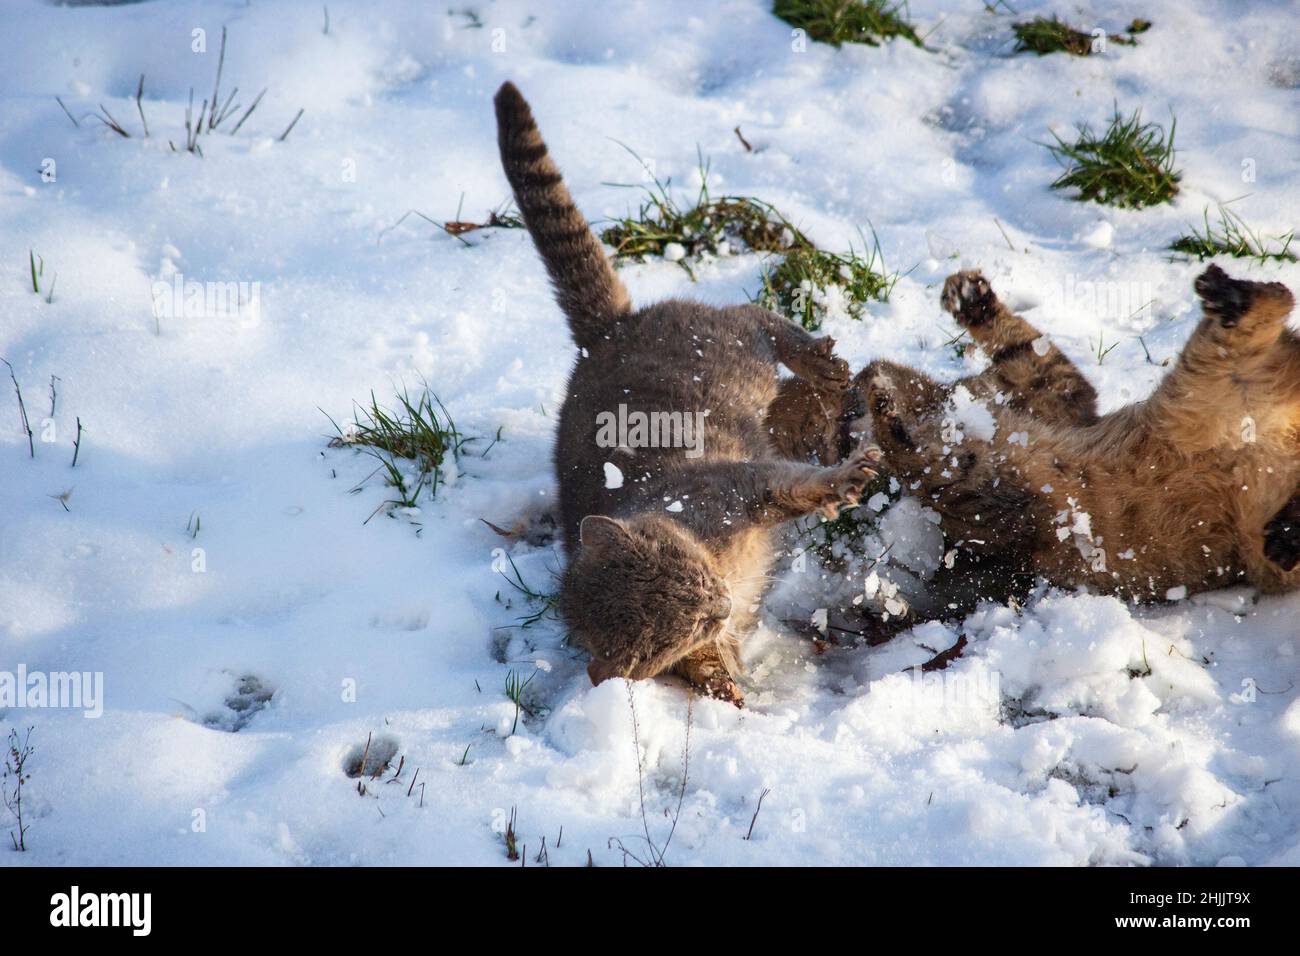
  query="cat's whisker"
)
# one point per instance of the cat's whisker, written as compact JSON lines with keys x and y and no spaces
{"x":754,"y":577}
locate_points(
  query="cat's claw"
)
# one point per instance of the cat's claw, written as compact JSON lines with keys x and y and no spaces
{"x":850,"y":480}
{"x":969,"y":298}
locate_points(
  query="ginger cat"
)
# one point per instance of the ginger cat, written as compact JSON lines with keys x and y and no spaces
{"x":1194,"y":488}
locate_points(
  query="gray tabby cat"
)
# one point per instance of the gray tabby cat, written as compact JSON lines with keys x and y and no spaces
{"x":668,"y":548}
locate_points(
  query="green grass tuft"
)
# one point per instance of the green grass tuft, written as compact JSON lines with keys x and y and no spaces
{"x":849,"y":21}
{"x":806,"y":284}
{"x":708,"y":228}
{"x":411,"y":442}
{"x":544,"y":605}
{"x":1232,"y":237}
{"x":847,"y":543}
{"x":834,"y":540}
{"x":1044,"y":35}
{"x":36,"y":265}
{"x":516,"y":685}
{"x":809,"y":283}
{"x":1130,"y":165}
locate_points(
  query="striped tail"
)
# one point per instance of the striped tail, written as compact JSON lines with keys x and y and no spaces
{"x":586,"y":287}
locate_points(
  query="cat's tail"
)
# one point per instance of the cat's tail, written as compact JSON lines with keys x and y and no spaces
{"x":586,"y":287}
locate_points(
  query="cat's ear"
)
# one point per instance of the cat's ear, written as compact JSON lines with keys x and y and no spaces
{"x":597,"y":531}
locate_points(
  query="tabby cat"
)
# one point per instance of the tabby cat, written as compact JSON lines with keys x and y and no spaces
{"x":668,"y":548}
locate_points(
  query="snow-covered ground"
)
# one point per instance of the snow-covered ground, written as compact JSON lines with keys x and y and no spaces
{"x":403,"y":630}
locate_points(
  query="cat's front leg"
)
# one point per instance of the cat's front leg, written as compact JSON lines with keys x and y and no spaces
{"x":813,"y":359}
{"x":810,"y":357}
{"x":727,"y":498}
{"x":823,"y":491}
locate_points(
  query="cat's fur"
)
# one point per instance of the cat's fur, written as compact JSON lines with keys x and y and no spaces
{"x":1194,"y":488}
{"x":666,"y":570}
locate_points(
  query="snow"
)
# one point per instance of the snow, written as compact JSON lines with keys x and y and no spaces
{"x":1077,"y":730}
{"x":971,"y":413}
{"x":1100,"y":236}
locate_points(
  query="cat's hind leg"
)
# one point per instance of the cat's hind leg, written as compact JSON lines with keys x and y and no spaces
{"x":1228,"y":386}
{"x":1035,"y":376}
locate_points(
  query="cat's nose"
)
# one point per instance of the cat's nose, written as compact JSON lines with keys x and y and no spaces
{"x":721,"y":609}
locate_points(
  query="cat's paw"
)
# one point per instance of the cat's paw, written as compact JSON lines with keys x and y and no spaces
{"x":1229,"y":300}
{"x":969,"y":298}
{"x":818,"y":365}
{"x":1224,"y":298}
{"x":846,"y":482}
{"x":722,"y":687}
{"x":1282,"y":537}
{"x":706,"y":672}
